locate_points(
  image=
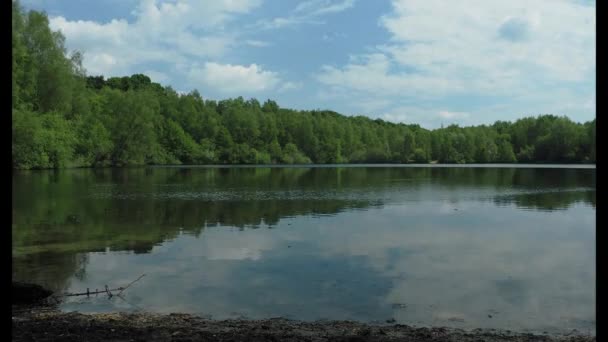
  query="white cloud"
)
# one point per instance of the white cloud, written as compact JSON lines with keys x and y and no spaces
{"x":235,"y":79}
{"x":290,"y":86}
{"x":372,"y":74}
{"x":396,"y":117}
{"x":185,"y":14}
{"x":331,"y":36}
{"x":320,"y":7}
{"x":166,"y":32}
{"x":463,"y":40}
{"x":455,"y":49}
{"x":276,"y":23}
{"x":423,"y":116}
{"x":520,"y":50}
{"x":336,"y":7}
{"x":452,"y":115}
{"x":257,"y":43}
{"x":306,"y":13}
{"x":178,"y":35}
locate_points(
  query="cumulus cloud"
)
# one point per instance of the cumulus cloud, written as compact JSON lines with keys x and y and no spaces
{"x":372,"y":74}
{"x":514,"y":29}
{"x":458,"y":40}
{"x":451,"y":115}
{"x":235,"y":79}
{"x":290,"y":86}
{"x":516,"y":49}
{"x":166,"y":32}
{"x":425,"y":116}
{"x":178,"y":36}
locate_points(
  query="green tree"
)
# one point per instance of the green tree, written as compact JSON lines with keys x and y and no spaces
{"x":62,"y":118}
{"x":504,"y":150}
{"x":409,"y":144}
{"x":179,"y":144}
{"x":94,"y":143}
{"x":129,"y":116}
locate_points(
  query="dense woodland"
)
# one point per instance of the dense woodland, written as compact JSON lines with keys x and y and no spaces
{"x":61,"y":117}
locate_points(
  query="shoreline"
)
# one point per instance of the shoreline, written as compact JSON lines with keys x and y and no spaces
{"x":48,"y":324}
{"x":540,"y":165}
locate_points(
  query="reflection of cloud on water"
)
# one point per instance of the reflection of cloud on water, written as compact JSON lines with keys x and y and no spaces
{"x":345,"y":243}
{"x":533,"y":268}
{"x":284,"y":281}
{"x":248,"y":244}
{"x":527,"y":270}
{"x":235,"y":254}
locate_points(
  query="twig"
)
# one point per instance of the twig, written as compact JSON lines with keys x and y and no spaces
{"x":96,"y":292}
{"x":106,"y":290}
{"x":141,"y":276}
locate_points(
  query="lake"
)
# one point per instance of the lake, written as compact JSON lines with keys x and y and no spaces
{"x":469,"y":247}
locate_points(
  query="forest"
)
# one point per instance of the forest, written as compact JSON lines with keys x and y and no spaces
{"x":62,"y":117}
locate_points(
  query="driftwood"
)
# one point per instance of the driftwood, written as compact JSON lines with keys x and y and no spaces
{"x":107,"y":290}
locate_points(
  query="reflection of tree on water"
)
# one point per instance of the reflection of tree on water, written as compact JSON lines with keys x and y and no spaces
{"x":547,"y":201}
{"x":52,"y":270}
{"x":59,"y":216}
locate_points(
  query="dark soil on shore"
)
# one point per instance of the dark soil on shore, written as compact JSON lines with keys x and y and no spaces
{"x":47,"y":324}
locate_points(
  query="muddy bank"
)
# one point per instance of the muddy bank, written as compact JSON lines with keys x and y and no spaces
{"x":45,"y":324}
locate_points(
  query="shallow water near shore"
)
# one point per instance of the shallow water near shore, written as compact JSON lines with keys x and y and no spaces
{"x":466,"y":247}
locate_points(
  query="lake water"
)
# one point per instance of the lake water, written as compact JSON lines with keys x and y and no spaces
{"x":468,"y":247}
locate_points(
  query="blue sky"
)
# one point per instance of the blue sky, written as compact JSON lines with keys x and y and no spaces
{"x":429,"y":62}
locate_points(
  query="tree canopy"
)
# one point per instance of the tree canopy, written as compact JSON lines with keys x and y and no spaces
{"x":64,"y":118}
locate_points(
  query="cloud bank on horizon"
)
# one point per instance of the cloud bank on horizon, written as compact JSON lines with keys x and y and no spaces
{"x":429,"y":62}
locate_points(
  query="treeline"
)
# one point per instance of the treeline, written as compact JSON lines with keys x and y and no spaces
{"x":64,"y":118}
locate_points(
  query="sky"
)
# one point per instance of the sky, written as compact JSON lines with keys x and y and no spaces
{"x":427,"y":62}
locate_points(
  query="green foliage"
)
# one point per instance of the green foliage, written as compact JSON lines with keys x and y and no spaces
{"x":526,"y":154}
{"x":291,"y":155}
{"x":41,"y":141}
{"x":130,"y":117}
{"x":408,"y":145}
{"x":94,"y":142}
{"x":27,"y":146}
{"x":62,"y":117}
{"x":421,"y":156}
{"x":58,"y":139}
{"x":504,"y":150}
{"x":179,"y":144}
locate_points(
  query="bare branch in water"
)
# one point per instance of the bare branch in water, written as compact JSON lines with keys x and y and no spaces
{"x":141,"y":276}
{"x":107,"y":290}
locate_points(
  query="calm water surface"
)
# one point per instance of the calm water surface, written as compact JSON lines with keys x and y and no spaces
{"x":504,"y":247}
